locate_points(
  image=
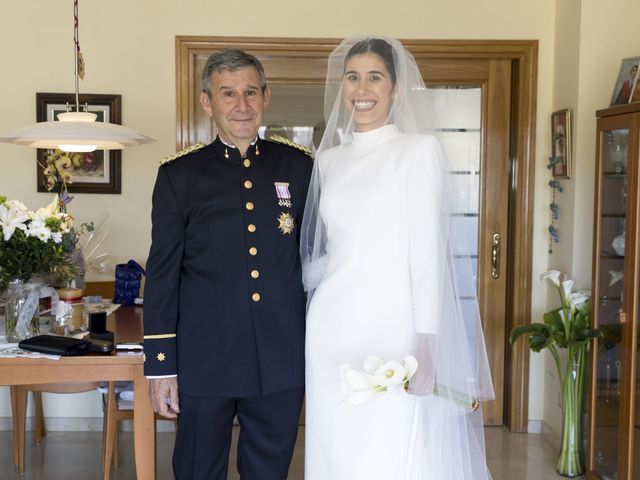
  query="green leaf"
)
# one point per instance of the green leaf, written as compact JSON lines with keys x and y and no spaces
{"x":517,"y":332}
{"x":539,"y":342}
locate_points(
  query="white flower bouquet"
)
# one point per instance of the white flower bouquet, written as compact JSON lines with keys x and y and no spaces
{"x":379,"y":376}
{"x":376,"y":378}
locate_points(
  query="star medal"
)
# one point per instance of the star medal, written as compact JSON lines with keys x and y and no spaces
{"x":284,"y":197}
{"x":286,"y":223}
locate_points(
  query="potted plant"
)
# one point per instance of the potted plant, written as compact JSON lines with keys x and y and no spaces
{"x":567,"y":327}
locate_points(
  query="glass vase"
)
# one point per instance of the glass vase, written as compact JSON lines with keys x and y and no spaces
{"x":21,"y":311}
{"x":571,"y":459}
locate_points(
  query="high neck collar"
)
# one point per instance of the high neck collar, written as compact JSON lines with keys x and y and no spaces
{"x":375,"y":136}
{"x":232,"y":154}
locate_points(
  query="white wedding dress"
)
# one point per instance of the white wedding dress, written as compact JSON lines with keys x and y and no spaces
{"x":375,"y":202}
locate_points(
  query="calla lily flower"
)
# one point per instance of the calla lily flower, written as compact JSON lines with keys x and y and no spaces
{"x":410,"y":365}
{"x":567,"y":287}
{"x":377,"y":377}
{"x":391,"y":374}
{"x":372,"y":363}
{"x":553,"y":276}
{"x":579,"y":298}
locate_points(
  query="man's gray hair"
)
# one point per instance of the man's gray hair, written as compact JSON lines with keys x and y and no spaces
{"x":230,"y":59}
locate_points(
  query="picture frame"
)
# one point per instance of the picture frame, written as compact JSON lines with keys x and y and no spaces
{"x":635,"y":96}
{"x":626,"y":82}
{"x":93,"y":172}
{"x":560,"y":160}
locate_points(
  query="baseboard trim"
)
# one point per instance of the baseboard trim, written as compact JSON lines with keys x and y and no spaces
{"x":551,"y":437}
{"x":534,"y":426}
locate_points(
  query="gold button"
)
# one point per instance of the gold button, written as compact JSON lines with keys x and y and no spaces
{"x":248,"y":184}
{"x":253,"y":251}
{"x":255,"y":273}
{"x":247,"y":162}
{"x":255,"y":297}
{"x":251,"y":227}
{"x":249,"y":205}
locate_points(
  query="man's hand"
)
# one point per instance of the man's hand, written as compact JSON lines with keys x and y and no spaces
{"x":164,"y":396}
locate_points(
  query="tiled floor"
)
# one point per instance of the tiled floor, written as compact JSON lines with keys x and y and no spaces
{"x":76,"y":455}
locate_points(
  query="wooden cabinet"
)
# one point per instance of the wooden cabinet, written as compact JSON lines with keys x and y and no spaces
{"x":613,"y":432}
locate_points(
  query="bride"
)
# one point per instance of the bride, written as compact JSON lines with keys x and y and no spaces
{"x":385,"y":286}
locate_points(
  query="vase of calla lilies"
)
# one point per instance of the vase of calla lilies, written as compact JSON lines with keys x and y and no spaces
{"x":567,"y":327}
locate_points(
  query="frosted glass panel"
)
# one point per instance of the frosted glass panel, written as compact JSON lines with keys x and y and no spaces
{"x":457,"y":108}
{"x":459,"y":116}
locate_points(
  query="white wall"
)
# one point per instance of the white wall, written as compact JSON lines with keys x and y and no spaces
{"x":129,"y":50}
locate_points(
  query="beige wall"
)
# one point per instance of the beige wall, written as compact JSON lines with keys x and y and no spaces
{"x":129,"y":49}
{"x":591,"y":39}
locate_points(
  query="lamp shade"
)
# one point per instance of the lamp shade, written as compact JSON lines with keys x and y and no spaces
{"x":76,"y":131}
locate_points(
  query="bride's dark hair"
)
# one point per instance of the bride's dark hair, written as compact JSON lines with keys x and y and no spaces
{"x":378,"y":46}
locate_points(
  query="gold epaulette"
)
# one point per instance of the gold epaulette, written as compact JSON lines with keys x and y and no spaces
{"x":286,"y":141}
{"x":192,"y":148}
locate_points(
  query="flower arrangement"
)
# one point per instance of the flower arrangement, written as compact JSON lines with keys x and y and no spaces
{"x":31,"y":243}
{"x":379,"y":376}
{"x":376,"y":378}
{"x":566,"y":327}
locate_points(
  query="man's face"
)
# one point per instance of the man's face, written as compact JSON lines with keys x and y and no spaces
{"x":237,"y":104}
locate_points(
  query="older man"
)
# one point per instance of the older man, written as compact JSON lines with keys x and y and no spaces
{"x":224,"y":304}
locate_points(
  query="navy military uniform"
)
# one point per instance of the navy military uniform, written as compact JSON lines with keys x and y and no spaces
{"x":224,"y":304}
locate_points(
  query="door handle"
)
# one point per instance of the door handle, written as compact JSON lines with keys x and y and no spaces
{"x":495,"y":255}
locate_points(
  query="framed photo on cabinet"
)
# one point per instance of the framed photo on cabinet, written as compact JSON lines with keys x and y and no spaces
{"x":635,"y":97}
{"x":560,"y":160}
{"x":627,"y":79}
{"x":93,"y":172}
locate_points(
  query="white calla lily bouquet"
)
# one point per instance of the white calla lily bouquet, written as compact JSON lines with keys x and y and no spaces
{"x":379,"y":376}
{"x":376,"y":377}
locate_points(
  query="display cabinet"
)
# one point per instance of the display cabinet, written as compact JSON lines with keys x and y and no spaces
{"x":613,"y":431}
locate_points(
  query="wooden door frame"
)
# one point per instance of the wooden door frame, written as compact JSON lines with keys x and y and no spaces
{"x":524,"y":57}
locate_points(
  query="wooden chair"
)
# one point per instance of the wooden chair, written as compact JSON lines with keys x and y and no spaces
{"x":113,"y":414}
{"x":19,"y":406}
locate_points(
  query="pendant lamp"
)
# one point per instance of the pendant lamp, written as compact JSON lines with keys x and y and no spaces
{"x":76,"y":131}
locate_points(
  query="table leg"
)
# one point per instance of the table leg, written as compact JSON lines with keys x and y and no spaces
{"x":13,"y":391}
{"x":144,"y":427}
{"x":19,"y":414}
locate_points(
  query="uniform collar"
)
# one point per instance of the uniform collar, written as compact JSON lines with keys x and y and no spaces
{"x":231,"y":152}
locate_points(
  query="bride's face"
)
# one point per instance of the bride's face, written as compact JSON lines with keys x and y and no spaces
{"x":367,"y":91}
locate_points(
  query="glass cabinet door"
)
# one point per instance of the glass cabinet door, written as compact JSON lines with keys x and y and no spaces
{"x":609,"y":355}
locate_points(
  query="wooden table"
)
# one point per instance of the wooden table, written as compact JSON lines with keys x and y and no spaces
{"x":126,"y":322}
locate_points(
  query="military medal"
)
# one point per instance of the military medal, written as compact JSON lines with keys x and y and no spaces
{"x":286,"y":223}
{"x":284,"y":197}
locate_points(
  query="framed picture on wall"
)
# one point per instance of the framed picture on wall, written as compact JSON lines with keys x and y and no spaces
{"x":93,"y":172}
{"x":627,"y":79}
{"x":560,"y":160}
